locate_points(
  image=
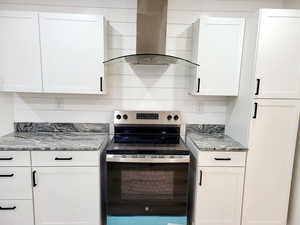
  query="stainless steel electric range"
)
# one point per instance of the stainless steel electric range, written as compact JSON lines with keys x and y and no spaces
{"x":145,"y":170}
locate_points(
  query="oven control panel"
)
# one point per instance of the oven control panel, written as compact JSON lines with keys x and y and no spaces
{"x":147,"y":117}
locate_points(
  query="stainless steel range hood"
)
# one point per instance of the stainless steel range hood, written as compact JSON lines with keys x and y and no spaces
{"x":151,"y":37}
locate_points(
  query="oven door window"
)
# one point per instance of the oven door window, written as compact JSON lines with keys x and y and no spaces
{"x":147,"y":189}
{"x":146,"y":184}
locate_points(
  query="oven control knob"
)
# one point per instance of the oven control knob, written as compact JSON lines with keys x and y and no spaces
{"x":125,"y":117}
{"x":169,"y":117}
{"x":176,"y":117}
{"x":118,"y":116}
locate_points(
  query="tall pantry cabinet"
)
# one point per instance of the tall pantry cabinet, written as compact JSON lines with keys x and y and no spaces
{"x":278,"y":65}
{"x":274,"y":120}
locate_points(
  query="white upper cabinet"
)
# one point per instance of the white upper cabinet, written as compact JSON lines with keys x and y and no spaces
{"x":20,"y":65}
{"x":217,"y":47}
{"x":278,"y":54}
{"x":72,"y":53}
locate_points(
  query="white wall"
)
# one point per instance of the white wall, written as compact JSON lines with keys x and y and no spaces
{"x":6,"y":114}
{"x":291,"y":4}
{"x":133,"y":88}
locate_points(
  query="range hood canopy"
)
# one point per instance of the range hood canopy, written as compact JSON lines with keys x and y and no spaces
{"x":151,"y":37}
{"x":150,"y":59}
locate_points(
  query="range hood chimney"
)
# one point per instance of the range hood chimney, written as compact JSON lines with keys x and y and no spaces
{"x":151,"y":35}
{"x":151,"y":26}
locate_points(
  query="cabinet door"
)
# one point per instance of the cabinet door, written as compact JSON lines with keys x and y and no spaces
{"x":15,"y":183}
{"x":219,"y":53}
{"x":16,"y":212}
{"x":20,"y":65}
{"x":218,"y":196}
{"x":67,"y":195}
{"x":278,"y":56}
{"x":72,"y":53}
{"x":270,"y":162}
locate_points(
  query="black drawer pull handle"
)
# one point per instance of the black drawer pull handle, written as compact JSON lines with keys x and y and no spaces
{"x":198,"y":87}
{"x":6,"y":159}
{"x":7,"y":175}
{"x":255,"y":110}
{"x":200,"y":178}
{"x":8,"y":208}
{"x":223,"y":159}
{"x":101,"y":84}
{"x":34,"y":179}
{"x":66,"y":159}
{"x":257,"y":87}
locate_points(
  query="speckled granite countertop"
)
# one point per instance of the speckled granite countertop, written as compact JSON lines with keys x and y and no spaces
{"x":212,"y":138}
{"x":55,"y":137}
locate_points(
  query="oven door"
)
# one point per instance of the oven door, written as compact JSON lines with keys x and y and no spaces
{"x":147,"y":186}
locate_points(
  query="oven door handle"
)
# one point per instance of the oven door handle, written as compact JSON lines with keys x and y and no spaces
{"x":122,"y":159}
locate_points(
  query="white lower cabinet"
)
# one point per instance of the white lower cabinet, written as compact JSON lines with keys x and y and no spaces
{"x":16,"y":206}
{"x":66,"y":195}
{"x":15,"y":183}
{"x":16,"y":212}
{"x":272,"y":142}
{"x":218,"y":195}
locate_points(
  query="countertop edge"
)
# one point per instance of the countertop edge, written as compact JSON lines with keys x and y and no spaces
{"x":100,"y":147}
{"x":229,"y":149}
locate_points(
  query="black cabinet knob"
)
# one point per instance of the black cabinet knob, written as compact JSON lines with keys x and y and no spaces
{"x":176,"y":117}
{"x":169,"y":117}
{"x":118,"y":116}
{"x":125,"y":117}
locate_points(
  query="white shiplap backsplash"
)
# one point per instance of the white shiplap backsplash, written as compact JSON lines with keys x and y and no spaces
{"x":7,"y":113}
{"x":133,"y":88}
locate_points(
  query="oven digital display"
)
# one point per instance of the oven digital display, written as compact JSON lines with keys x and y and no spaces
{"x":147,"y":116}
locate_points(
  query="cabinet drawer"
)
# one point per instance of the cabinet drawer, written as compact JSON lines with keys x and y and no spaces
{"x":16,"y":212}
{"x":221,"y":158}
{"x":15,"y":183}
{"x":14,"y":158}
{"x":66,"y":158}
